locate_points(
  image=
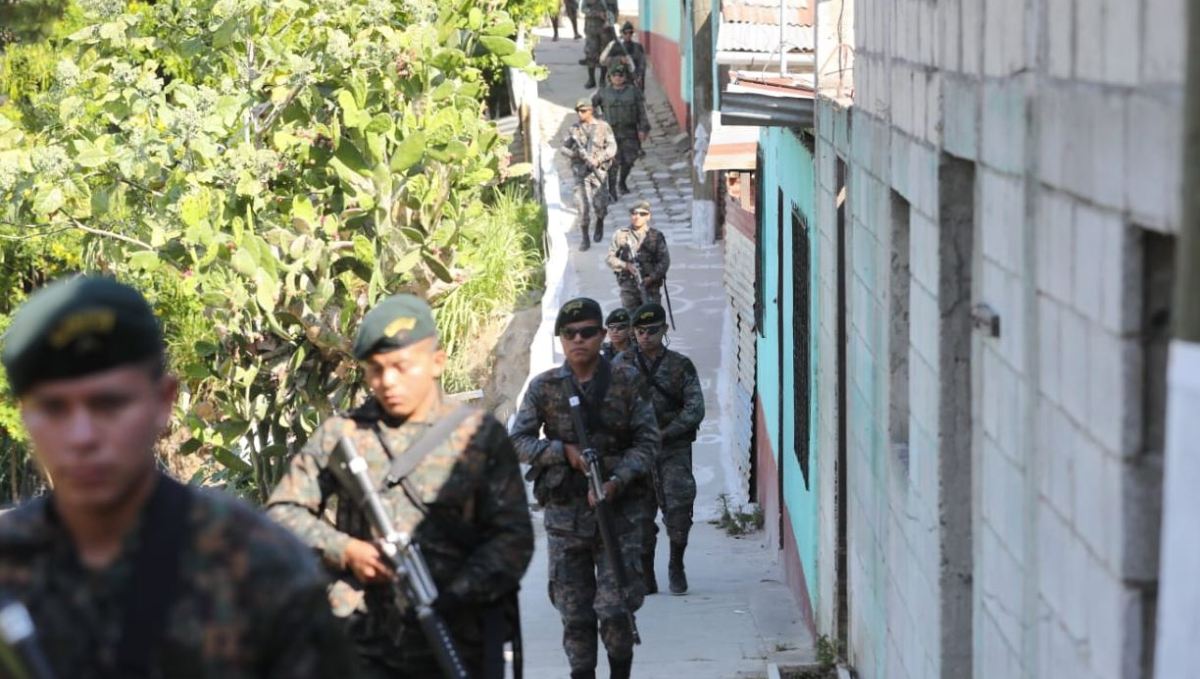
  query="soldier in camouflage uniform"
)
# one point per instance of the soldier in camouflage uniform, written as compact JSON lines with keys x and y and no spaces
{"x":572,"y":10}
{"x":591,"y":147}
{"x":622,"y":429}
{"x":626,"y":51}
{"x":668,"y":379}
{"x":623,"y":107}
{"x":618,"y":333}
{"x":464,"y":504}
{"x":598,"y":19}
{"x":639,"y":248}
{"x":126,"y":572}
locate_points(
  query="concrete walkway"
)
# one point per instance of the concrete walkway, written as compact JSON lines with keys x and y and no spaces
{"x":738,"y":613}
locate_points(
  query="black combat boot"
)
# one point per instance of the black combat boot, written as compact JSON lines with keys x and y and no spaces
{"x":591,"y":78}
{"x":620,"y":669}
{"x":584,"y":243}
{"x":675,"y":575}
{"x":648,"y":573}
{"x":624,"y":178}
{"x":599,"y":232}
{"x":612,"y":187}
{"x":584,"y":674}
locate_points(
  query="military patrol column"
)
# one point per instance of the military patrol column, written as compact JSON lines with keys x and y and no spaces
{"x":668,"y":379}
{"x":621,"y":428}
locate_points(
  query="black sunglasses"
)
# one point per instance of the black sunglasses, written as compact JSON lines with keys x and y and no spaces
{"x":649,"y":330}
{"x":640,"y":213}
{"x":586,"y":333}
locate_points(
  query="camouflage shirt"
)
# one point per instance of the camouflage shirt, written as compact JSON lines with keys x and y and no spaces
{"x":592,"y":143}
{"x":472,"y":521}
{"x":621,"y":428}
{"x":623,"y":109}
{"x":251,"y":599}
{"x":679,"y":404}
{"x":604,"y":9}
{"x":648,"y":249}
{"x":631,"y":53}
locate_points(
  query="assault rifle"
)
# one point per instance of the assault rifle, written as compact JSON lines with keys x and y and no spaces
{"x":20,"y":655}
{"x":412,"y":582}
{"x":627,"y":256}
{"x":608,"y":535}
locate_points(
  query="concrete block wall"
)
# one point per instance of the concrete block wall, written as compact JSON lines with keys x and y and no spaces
{"x":1070,"y":113}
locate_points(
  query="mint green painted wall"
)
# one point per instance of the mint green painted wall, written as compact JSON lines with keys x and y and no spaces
{"x":788,"y":167}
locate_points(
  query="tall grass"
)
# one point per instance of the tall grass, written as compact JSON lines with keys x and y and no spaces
{"x":503,"y":256}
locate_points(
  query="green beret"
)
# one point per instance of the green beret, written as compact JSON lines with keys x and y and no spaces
{"x":618,"y":67}
{"x":576,"y":310}
{"x":76,"y":327}
{"x":618,"y":316}
{"x":641,"y":205}
{"x":627,"y":26}
{"x":394,"y":323}
{"x":649,"y":314}
{"x":583,"y":102}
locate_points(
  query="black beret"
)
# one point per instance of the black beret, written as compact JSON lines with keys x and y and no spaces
{"x":649,"y":314}
{"x":394,"y":323}
{"x":79,"y":326}
{"x":618,"y":316}
{"x":578,"y":309}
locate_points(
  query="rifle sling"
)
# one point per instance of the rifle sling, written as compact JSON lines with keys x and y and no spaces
{"x":649,"y":372}
{"x":599,"y":389}
{"x":403,"y":464}
{"x":162,"y":537}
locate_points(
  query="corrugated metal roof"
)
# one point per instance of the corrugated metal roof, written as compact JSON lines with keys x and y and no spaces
{"x":753,"y":26}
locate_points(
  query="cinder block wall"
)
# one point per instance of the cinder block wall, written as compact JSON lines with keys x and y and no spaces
{"x":1069,"y":115}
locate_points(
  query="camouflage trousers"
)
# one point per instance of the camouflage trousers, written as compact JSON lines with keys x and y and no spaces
{"x":583,"y":588}
{"x":408,"y":656}
{"x":571,"y":7}
{"x":593,"y":43}
{"x":591,"y":199}
{"x":676,"y":486}
{"x":632,"y":298}
{"x":628,"y":148}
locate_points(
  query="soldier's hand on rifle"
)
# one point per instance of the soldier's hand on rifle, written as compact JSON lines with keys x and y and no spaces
{"x":365,"y":561}
{"x":610,"y":491}
{"x":649,"y":281}
{"x":575,"y":457}
{"x":629,"y":268}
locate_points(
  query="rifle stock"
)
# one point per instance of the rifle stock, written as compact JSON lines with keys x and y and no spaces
{"x":608,"y":535}
{"x":412,"y":580}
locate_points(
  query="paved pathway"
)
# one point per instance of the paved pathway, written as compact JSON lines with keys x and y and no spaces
{"x":737,"y":613}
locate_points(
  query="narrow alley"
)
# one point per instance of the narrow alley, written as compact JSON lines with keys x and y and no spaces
{"x":737,"y":614}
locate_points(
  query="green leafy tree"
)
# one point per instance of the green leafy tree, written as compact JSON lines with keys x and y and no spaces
{"x":265,"y":171}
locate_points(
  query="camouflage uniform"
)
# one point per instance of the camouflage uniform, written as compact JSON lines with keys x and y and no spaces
{"x":649,"y":250}
{"x":591,"y":148}
{"x":598,"y":19}
{"x":629,"y":52}
{"x":582,"y":586}
{"x":250,"y":600}
{"x":679,"y":412}
{"x":624,"y":110}
{"x":478,"y":538}
{"x":609,"y":351}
